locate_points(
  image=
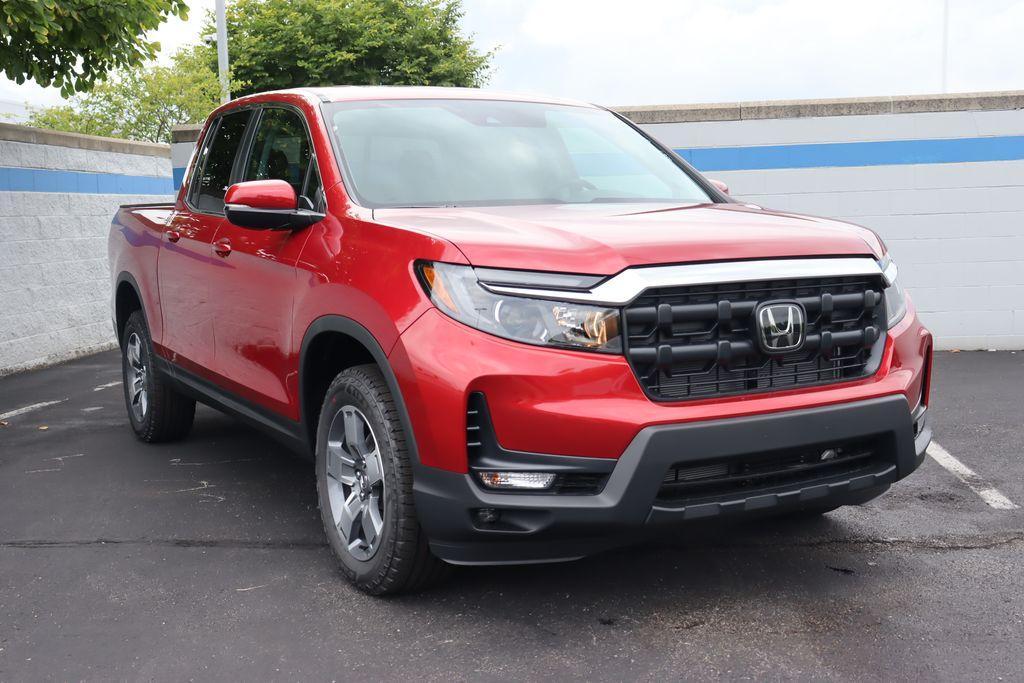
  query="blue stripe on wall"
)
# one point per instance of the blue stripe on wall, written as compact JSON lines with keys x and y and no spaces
{"x":883,"y":153}
{"x":13,"y":179}
{"x":178,"y":174}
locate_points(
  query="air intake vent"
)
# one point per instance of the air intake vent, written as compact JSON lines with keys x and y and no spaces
{"x":473,"y":425}
{"x":575,"y":475}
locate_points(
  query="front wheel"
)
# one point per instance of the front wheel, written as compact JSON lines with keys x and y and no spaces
{"x":364,"y":485}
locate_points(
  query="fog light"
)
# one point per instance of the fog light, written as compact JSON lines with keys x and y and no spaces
{"x":535,"y":481}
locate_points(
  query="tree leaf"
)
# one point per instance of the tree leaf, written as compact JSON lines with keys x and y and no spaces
{"x":70,"y":41}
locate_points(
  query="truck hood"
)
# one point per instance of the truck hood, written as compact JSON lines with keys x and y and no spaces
{"x":603,"y":239}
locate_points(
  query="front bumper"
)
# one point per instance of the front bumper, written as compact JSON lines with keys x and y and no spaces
{"x":590,"y":404}
{"x":546,"y":528}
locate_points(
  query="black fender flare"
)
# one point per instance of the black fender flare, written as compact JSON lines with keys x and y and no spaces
{"x":351,"y":328}
{"x":123,"y":277}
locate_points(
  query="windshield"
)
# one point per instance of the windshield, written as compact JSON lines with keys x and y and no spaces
{"x":400,"y":153}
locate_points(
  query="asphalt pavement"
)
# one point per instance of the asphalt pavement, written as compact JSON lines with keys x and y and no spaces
{"x":205,"y":560}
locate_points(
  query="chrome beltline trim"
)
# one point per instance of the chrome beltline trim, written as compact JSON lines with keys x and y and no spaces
{"x":630,"y":283}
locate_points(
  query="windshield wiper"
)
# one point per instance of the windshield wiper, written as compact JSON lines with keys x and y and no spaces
{"x":423,"y":206}
{"x":629,"y":200}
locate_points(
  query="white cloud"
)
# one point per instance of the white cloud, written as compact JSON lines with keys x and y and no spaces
{"x":667,"y":51}
{"x":176,"y":33}
{"x":676,"y":51}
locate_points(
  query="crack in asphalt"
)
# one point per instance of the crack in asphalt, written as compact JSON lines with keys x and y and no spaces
{"x":947,"y":543}
{"x":986,"y":542}
{"x":937,"y":543}
{"x":166,"y":542}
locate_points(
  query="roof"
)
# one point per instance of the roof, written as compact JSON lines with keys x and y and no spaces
{"x":348,"y":93}
{"x":355,"y":93}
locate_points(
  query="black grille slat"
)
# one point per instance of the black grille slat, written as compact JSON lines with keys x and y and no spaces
{"x":801,"y":469}
{"x":748,"y":474}
{"x":710,"y":311}
{"x":699,"y":341}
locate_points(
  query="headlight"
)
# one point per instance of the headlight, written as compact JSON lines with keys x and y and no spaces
{"x":457,"y":292}
{"x":895,"y":297}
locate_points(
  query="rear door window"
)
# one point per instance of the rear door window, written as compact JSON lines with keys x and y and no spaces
{"x":219,"y":160}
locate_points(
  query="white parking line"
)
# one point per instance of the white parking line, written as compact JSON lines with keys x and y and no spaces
{"x":29,"y":409}
{"x":988,"y":493}
{"x":107,"y":385}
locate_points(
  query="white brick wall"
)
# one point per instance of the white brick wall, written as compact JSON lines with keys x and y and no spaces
{"x":956,"y":229}
{"x":54,"y":281}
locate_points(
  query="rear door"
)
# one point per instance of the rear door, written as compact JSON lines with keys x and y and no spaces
{"x":254,"y":289}
{"x":187,"y":259}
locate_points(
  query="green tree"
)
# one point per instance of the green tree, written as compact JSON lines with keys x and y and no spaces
{"x":142,"y":103}
{"x":292,"y":43}
{"x":71,"y":44}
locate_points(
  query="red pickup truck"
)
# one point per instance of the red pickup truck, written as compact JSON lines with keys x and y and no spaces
{"x":511,"y":329}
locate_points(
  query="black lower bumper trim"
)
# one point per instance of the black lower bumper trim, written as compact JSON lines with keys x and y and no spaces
{"x":795,"y":495}
{"x":541,"y":528}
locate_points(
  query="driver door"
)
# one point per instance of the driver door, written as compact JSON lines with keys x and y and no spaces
{"x":254,"y":291}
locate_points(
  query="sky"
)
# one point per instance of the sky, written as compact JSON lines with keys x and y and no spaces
{"x":630,"y":52}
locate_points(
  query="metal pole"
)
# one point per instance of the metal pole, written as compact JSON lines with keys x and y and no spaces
{"x":945,"y":45}
{"x":222,"y":51}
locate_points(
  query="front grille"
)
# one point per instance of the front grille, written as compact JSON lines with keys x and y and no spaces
{"x":699,"y":341}
{"x":746,"y":475}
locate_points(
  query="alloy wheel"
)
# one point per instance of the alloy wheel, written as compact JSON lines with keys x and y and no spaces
{"x":355,"y":482}
{"x":137,"y":371}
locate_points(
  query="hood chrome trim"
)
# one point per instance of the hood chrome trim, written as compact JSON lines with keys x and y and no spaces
{"x":630,"y":283}
{"x":890,"y":271}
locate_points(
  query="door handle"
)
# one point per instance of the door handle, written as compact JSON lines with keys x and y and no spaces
{"x":222,"y":247}
{"x":172,"y":235}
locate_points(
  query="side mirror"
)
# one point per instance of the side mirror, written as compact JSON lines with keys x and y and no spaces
{"x":722,"y":187}
{"x":267,"y":205}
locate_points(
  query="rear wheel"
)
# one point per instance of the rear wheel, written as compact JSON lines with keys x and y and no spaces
{"x":156,"y":411}
{"x":364,"y":485}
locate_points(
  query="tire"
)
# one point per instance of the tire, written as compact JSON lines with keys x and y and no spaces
{"x":364,"y":486}
{"x":155,"y":410}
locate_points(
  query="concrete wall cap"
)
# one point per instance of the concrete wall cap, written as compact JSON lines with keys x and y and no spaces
{"x":41,"y":136}
{"x":188,"y":133}
{"x":850,"y":106}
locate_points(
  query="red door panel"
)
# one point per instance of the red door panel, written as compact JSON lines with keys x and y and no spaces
{"x":185,"y":260}
{"x":252,"y":292}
